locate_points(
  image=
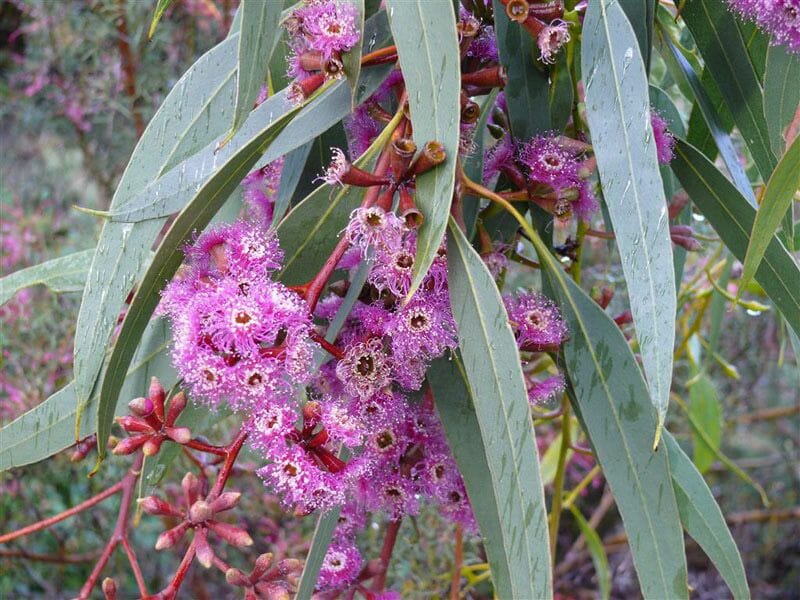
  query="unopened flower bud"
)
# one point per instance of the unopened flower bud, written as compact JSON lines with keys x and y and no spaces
{"x":133,"y":424}
{"x":290,"y":565}
{"x":203,"y":550}
{"x":130,"y":445}
{"x":274,"y":591}
{"x":109,"y":588}
{"x":235,"y":577}
{"x":263,"y":562}
{"x":141,"y":407}
{"x":235,"y":536}
{"x":157,"y":394}
{"x":176,"y":405}
{"x":153,"y":505}
{"x":225,"y":501}
{"x":679,"y":201}
{"x":152,"y":445}
{"x":191,"y":487}
{"x":300,"y":90}
{"x":180,"y":435}
{"x":171,"y":536}
{"x":470,"y":112}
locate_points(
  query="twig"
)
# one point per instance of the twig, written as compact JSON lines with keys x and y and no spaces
{"x":379,"y":582}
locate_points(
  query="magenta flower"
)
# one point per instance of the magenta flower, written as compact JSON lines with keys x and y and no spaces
{"x":341,"y":565}
{"x":261,"y":189}
{"x":779,"y":18}
{"x":548,"y":162}
{"x":544,"y":390}
{"x":365,"y":368}
{"x":664,"y":140}
{"x":361,"y":130}
{"x":484,"y":46}
{"x":328,"y":26}
{"x":536,"y":321}
{"x":551,"y":39}
{"x":373,"y":226}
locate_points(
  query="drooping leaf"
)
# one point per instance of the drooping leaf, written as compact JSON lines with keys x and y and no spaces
{"x":596,"y":551}
{"x":703,"y":520}
{"x":781,"y":93}
{"x":732,"y":218}
{"x":473,"y":162}
{"x":719,"y":130}
{"x":618,"y":109}
{"x":60,"y":275}
{"x":726,"y":57}
{"x":427,"y":46}
{"x":778,"y":198}
{"x":527,"y":88}
{"x":707,"y":412}
{"x":486,"y":416}
{"x":259,"y":30}
{"x":352,"y":59}
{"x":610,"y":398}
{"x":169,"y":255}
{"x":699,"y":133}
{"x":177,"y":130}
{"x":290,"y":178}
{"x":641,"y":14}
{"x":561,"y":94}
{"x":161,"y":8}
{"x":50,"y":427}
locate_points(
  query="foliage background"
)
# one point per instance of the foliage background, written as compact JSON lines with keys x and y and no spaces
{"x":67,"y":126}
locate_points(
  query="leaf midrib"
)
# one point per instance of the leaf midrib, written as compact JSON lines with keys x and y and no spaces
{"x":660,"y":356}
{"x":499,"y":386}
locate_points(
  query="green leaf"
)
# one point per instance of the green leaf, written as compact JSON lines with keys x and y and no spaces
{"x":60,"y":275}
{"x":189,"y":118}
{"x":527,"y":89}
{"x":161,"y":8}
{"x":706,"y":411}
{"x":726,"y":57}
{"x":309,"y":232}
{"x":427,"y":46}
{"x":641,"y":14}
{"x":259,"y":30}
{"x":197,"y":214}
{"x":487,"y":420}
{"x":290,"y":177}
{"x":732,"y":218}
{"x":561,"y":95}
{"x":778,"y":198}
{"x":703,"y":520}
{"x":781,"y":93}
{"x":596,"y":551}
{"x":50,"y":427}
{"x":473,"y":162}
{"x":352,"y":59}
{"x":618,"y":108}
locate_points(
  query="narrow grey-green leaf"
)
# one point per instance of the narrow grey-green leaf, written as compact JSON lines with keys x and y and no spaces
{"x":703,"y":520}
{"x":519,"y":552}
{"x":719,"y":131}
{"x":257,"y":36}
{"x":781,"y":93}
{"x":641,"y":14}
{"x":50,"y":427}
{"x":610,"y":398}
{"x":161,"y":8}
{"x":618,"y":111}
{"x":188,"y":119}
{"x":725,"y":54}
{"x":473,"y":162}
{"x":526,"y":91}
{"x":169,"y":255}
{"x":352,"y":58}
{"x":778,"y":198}
{"x":732,"y":217}
{"x":63,"y":274}
{"x":596,"y":551}
{"x":705,"y":409}
{"x":427,"y":46}
{"x":290,"y":176}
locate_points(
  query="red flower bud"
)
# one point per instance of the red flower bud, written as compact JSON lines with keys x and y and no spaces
{"x":180,"y":435}
{"x":176,"y":406}
{"x":235,"y":536}
{"x":225,"y":501}
{"x":109,"y":588}
{"x":141,"y":407}
{"x":263,"y":562}
{"x":153,"y":505}
{"x":235,"y":577}
{"x":200,"y":512}
{"x":157,"y":394}
{"x":133,"y":424}
{"x":130,"y":445}
{"x":432,"y":154}
{"x":203,"y":551}
{"x":171,"y":536}
{"x":152,"y":445}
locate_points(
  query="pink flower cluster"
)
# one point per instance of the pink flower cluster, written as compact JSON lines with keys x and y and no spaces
{"x":779,"y":18}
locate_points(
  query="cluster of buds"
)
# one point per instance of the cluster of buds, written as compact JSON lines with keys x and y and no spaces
{"x":150,"y":424}
{"x":199,"y":514}
{"x":267,"y":581}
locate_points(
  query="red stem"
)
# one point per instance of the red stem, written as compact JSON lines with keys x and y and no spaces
{"x":64,"y":515}
{"x":232,"y":453}
{"x":120,"y":534}
{"x":128,"y":66}
{"x":379,"y":582}
{"x":137,"y":570}
{"x":172,"y":589}
{"x":208,"y":448}
{"x":331,"y":349}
